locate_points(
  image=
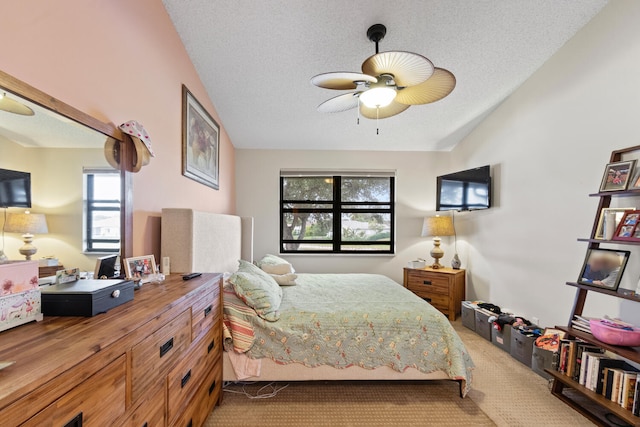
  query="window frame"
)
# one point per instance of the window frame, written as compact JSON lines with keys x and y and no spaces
{"x":89,"y":201}
{"x":337,"y":209}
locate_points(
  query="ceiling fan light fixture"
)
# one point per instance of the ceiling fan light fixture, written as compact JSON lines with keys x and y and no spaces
{"x":378,"y":97}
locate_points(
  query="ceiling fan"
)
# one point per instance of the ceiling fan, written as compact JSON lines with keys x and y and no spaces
{"x":390,"y":82}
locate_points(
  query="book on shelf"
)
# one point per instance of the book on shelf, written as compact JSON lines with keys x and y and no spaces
{"x":579,"y":370}
{"x":628,"y":389}
{"x":636,"y":400}
{"x":605,"y":365}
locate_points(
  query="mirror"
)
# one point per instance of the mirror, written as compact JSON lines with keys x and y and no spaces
{"x":57,"y":144}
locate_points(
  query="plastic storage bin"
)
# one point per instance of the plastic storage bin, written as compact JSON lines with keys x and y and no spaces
{"x":542,"y":359}
{"x":522,"y":347}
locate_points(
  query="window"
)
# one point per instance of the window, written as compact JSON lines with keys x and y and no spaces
{"x":102,"y":210}
{"x":337,"y":212}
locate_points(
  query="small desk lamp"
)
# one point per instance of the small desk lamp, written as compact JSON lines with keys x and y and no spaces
{"x":28,"y":224}
{"x":437,"y":226}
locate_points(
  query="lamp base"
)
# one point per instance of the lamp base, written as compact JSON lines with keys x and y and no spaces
{"x":436,"y":253}
{"x":28,"y":250}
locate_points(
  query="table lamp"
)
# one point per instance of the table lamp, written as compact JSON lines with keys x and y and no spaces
{"x":437,"y":226}
{"x":28,"y":224}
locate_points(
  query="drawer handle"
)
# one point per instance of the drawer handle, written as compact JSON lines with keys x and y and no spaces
{"x":427,"y":299}
{"x":190,"y":423}
{"x":213,"y":387}
{"x":164,"y":348}
{"x":185,"y":379}
{"x":145,"y":425}
{"x":207,"y":311}
{"x":75,"y":421}
{"x":426,"y":282}
{"x":211,"y":346}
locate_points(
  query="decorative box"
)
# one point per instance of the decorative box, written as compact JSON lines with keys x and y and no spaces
{"x":19,"y":308}
{"x":417,"y":264}
{"x":85,"y":297}
{"x":18,"y":276}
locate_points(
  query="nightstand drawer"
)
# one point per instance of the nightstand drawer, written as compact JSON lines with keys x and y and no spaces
{"x":422,"y":281}
{"x":439,"y":301}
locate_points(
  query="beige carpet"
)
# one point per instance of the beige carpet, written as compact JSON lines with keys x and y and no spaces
{"x":504,"y":393}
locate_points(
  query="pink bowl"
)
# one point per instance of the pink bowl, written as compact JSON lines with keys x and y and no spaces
{"x":614,"y":336}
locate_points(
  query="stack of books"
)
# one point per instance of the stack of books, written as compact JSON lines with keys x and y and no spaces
{"x":614,"y":379}
{"x":581,"y":323}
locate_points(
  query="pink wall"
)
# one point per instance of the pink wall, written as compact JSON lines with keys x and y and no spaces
{"x":120,"y":60}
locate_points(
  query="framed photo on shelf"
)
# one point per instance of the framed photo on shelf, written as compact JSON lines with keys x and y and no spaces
{"x":634,"y":184}
{"x":140,"y":268}
{"x":617,"y":176}
{"x":629,"y":227}
{"x":200,"y":142}
{"x":619,"y":213}
{"x":603,"y":268}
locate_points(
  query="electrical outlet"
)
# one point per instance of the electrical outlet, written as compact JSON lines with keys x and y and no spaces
{"x":535,"y":321}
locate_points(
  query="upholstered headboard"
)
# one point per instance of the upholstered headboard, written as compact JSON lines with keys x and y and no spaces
{"x":205,"y":242}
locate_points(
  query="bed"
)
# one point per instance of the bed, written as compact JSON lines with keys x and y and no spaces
{"x":329,"y":327}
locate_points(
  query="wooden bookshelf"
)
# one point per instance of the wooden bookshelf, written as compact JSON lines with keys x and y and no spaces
{"x":620,"y":293}
{"x":611,"y":242}
{"x":631,"y":353}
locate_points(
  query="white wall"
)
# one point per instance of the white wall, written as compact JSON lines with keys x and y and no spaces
{"x":257,"y":180}
{"x":549,"y":143}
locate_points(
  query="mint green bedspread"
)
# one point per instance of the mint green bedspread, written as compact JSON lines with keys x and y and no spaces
{"x":366,"y":320}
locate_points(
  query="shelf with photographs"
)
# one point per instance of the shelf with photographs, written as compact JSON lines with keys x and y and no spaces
{"x":601,"y":273}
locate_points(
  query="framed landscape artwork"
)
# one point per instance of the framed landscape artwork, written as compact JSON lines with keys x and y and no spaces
{"x":200,"y":142}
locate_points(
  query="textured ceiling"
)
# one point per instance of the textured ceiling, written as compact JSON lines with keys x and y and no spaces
{"x":255,"y":59}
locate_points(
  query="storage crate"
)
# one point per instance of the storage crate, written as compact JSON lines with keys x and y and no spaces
{"x":19,"y":308}
{"x":522,"y":347}
{"x":502,"y":339}
{"x":468,"y":315}
{"x":542,"y":359}
{"x":483,"y":327}
{"x":18,"y":276}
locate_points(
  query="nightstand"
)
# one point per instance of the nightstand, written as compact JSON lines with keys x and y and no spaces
{"x":443,"y":288}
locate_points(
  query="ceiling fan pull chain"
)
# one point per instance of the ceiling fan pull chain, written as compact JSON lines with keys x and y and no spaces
{"x":377,"y":120}
{"x":358,"y":120}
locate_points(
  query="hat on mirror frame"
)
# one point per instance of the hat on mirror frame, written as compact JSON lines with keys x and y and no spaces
{"x":141,"y":142}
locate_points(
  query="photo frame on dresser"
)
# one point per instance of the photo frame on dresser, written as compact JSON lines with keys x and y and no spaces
{"x":617,"y":176}
{"x":200,"y":142}
{"x":603,"y":268}
{"x":141,"y":268}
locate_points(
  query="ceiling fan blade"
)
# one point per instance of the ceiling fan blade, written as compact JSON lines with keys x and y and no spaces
{"x":341,"y":80}
{"x":388,"y":111}
{"x":408,"y":68}
{"x":439,"y":85}
{"x":339,"y":103}
{"x":13,"y":106}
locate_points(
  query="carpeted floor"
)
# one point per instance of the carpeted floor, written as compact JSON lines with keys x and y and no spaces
{"x":504,"y":393}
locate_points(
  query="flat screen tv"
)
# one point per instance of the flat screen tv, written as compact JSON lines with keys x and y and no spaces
{"x":15,"y":189}
{"x":464,"y":191}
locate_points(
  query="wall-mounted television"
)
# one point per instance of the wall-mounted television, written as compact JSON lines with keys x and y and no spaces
{"x":15,"y":189}
{"x":464,"y":191}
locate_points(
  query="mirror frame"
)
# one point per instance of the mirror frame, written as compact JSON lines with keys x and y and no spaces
{"x":36,"y":96}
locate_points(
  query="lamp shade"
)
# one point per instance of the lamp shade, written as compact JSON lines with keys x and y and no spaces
{"x":26,"y":223}
{"x":437,"y":226}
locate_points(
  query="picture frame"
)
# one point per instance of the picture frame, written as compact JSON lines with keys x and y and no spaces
{"x":617,"y":176}
{"x":634,"y":184}
{"x":603,"y":268}
{"x":553,"y":331}
{"x":106,"y":267}
{"x":619,"y":214}
{"x":142,"y":268}
{"x":200,"y":142}
{"x":629,"y":227}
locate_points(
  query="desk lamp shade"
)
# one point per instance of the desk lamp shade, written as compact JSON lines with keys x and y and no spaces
{"x":28,"y":224}
{"x":437,"y":226}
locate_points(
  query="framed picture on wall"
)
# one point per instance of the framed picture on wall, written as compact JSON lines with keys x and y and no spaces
{"x":603,"y":268}
{"x":617,"y":176}
{"x":200,"y":142}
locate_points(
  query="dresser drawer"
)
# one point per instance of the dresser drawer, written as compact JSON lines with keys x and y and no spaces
{"x":150,"y":411}
{"x":427,"y":282}
{"x":98,"y":401}
{"x":189,"y":373}
{"x":204,"y":400}
{"x":439,"y":301}
{"x":153,"y":356}
{"x":205,"y":311}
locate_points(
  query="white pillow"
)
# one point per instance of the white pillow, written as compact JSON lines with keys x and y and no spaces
{"x":275,"y":265}
{"x":288,"y":279}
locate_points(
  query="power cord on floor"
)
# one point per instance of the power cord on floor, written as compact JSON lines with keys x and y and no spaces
{"x":265,"y":392}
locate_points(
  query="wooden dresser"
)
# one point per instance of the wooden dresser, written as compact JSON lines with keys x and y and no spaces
{"x":154,"y":361}
{"x":443,"y":288}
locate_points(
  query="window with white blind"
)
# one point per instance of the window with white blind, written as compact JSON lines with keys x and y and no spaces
{"x":337,"y":211}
